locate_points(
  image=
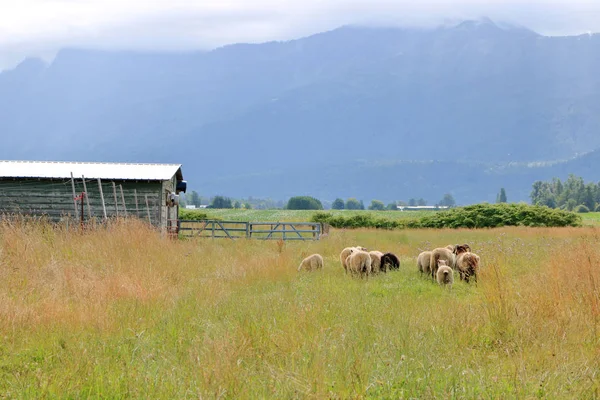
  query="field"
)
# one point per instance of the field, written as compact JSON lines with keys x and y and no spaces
{"x":299,"y":215}
{"x":304,"y":216}
{"x":120,"y":312}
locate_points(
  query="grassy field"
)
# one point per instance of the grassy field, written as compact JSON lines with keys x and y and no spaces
{"x":591,"y":218}
{"x":299,"y":215}
{"x":120,"y":312}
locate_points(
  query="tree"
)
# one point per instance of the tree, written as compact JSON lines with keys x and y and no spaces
{"x":412,"y":202}
{"x":247,"y":206}
{"x":362,"y":205}
{"x":237,"y":205}
{"x":447,"y":201}
{"x":194,"y":198}
{"x":392,"y":206}
{"x":221,"y":202}
{"x":421,"y":202}
{"x":352,"y":204}
{"x":377,"y":205}
{"x":304,"y":203}
{"x":501,"y":198}
{"x":338,"y":204}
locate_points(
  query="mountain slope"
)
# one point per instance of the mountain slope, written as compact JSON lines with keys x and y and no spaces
{"x":475,"y":93}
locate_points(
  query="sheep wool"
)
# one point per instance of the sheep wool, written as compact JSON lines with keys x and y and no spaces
{"x":312,"y":262}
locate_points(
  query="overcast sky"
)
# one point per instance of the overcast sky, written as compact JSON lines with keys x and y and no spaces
{"x":41,"y":27}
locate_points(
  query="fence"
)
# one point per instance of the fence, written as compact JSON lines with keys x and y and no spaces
{"x":248,"y":230}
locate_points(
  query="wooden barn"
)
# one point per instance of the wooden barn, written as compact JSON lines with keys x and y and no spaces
{"x":53,"y":189}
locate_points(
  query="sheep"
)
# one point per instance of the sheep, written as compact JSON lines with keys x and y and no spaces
{"x":441,"y":253}
{"x":423,"y":262}
{"x":389,"y":261}
{"x":467,"y":265}
{"x":345,"y":253}
{"x":450,"y":247}
{"x":311,"y":262}
{"x":359,"y":262}
{"x":375,"y":260}
{"x":444,"y":274}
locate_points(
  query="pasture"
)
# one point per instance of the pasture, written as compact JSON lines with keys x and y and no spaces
{"x":121,"y":312}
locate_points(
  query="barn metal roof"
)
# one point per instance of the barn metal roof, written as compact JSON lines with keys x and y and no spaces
{"x":92,"y":170}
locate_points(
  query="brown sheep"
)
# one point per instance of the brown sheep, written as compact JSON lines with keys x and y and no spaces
{"x":311,"y":262}
{"x":359,"y":263}
{"x":467,"y":265}
{"x":441,"y":253}
{"x":345,"y":253}
{"x":423,"y":262}
{"x":444,"y":274}
{"x":389,"y":261}
{"x":375,"y":260}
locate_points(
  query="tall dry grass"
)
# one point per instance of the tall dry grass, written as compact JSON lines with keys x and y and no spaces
{"x":119,"y":311}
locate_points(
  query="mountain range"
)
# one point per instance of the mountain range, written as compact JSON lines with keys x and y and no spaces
{"x":386,"y":113}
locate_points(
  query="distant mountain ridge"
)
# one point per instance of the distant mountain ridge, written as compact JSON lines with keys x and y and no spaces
{"x":469,"y":96}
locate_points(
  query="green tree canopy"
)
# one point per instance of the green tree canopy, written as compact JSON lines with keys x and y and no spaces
{"x":221,"y":202}
{"x":338,"y":204}
{"x":304,"y":203}
{"x":352,"y":204}
{"x":377,"y":205}
{"x":447,"y":201}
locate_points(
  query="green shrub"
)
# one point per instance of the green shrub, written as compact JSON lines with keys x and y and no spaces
{"x":475,"y":216}
{"x":304,"y":203}
{"x":192,"y":215}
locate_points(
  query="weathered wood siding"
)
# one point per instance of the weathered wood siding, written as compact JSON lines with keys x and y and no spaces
{"x":54,"y":198}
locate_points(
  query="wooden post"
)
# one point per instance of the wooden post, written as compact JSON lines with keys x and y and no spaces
{"x":87,"y":197}
{"x":137,"y":210}
{"x":123,"y":199}
{"x":148,"y":209}
{"x":74,"y":196}
{"x":116,"y":202}
{"x":102,"y":198}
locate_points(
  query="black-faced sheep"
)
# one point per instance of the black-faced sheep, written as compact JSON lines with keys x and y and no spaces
{"x":359,"y":263}
{"x":311,"y":262}
{"x":440,"y":253}
{"x":444,"y":274}
{"x":375,"y":260}
{"x":345,"y":253}
{"x":467,"y":265}
{"x":389,"y":261}
{"x":423,"y":261}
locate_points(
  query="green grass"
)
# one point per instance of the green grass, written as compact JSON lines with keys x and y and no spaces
{"x":123,"y":313}
{"x":300,"y":215}
{"x":592,"y":218}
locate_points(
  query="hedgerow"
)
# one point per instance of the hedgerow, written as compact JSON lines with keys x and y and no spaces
{"x":474,"y":216}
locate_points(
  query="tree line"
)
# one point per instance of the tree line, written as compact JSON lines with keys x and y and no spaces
{"x":572,"y":195}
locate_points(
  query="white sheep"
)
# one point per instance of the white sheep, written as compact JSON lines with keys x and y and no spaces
{"x":312,"y":262}
{"x":423,"y":261}
{"x":345,"y":253}
{"x":375,"y":260}
{"x":444,"y":274}
{"x":359,"y":263}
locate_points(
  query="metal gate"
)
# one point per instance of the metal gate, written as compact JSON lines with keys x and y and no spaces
{"x":249,"y":230}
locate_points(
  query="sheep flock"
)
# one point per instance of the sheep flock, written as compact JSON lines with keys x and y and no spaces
{"x":440,"y":264}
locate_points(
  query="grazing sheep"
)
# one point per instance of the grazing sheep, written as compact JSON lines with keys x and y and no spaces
{"x":444,"y":274}
{"x":375,"y":260}
{"x":467,"y":265}
{"x":423,"y":262}
{"x":359,"y":263}
{"x":440,"y":253}
{"x":345,"y":253}
{"x":311,"y":262}
{"x":389,"y":261}
{"x":450,"y":247}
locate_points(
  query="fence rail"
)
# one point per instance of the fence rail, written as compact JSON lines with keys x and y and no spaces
{"x":249,"y":230}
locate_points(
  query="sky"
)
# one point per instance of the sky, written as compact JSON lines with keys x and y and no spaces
{"x":39,"y":28}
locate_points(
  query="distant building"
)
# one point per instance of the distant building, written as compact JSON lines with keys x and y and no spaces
{"x":190,"y":207}
{"x":421,"y":208}
{"x":149,"y":191}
